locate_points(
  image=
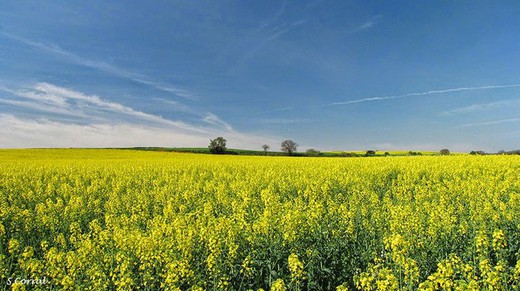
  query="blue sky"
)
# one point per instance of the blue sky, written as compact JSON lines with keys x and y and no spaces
{"x":331,"y":75}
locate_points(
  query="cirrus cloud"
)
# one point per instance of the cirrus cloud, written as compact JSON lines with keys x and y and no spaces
{"x":47,"y":115}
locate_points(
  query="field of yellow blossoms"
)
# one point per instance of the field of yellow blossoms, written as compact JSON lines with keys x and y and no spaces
{"x":127,"y":220}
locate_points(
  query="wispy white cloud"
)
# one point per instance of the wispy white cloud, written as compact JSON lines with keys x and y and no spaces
{"x":93,"y":121}
{"x":312,"y":5}
{"x":40,"y":132}
{"x":283,"y":28}
{"x":366,"y":25}
{"x":270,"y":30}
{"x":101,"y":66}
{"x":272,"y":34}
{"x":19,"y":132}
{"x":177,"y":106}
{"x":490,"y":123}
{"x":215,"y":120}
{"x":206,"y":117}
{"x":41,"y":107}
{"x":482,"y":107}
{"x":431,"y":92}
{"x":54,"y":99}
{"x":270,"y":20}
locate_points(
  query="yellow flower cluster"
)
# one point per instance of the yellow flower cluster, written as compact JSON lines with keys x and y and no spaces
{"x":297,"y":269}
{"x":128,"y":220}
{"x":479,"y":273}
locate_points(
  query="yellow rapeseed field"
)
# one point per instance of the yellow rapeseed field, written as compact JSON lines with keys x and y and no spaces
{"x":123,"y":220}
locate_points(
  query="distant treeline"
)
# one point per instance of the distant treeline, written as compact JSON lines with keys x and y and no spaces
{"x":515,"y":152}
{"x":207,"y":151}
{"x":311,"y":152}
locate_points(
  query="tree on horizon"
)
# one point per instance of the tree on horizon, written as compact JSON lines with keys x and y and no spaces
{"x":217,"y":146}
{"x":289,"y":146}
{"x":445,"y":152}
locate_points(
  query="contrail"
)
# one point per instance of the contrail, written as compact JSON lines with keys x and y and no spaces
{"x":423,"y":93}
{"x":493,"y":122}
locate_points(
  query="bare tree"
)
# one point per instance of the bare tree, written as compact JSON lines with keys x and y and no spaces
{"x":266,"y":148}
{"x":289,"y":146}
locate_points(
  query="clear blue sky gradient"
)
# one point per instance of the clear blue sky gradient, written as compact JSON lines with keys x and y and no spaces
{"x":331,"y":75}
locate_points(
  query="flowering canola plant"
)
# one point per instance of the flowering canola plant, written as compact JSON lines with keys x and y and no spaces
{"x":126,"y":220}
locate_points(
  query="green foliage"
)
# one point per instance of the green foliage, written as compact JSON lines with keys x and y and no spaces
{"x":347,"y":154}
{"x":313,"y":153}
{"x":217,"y":146}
